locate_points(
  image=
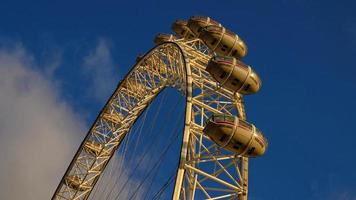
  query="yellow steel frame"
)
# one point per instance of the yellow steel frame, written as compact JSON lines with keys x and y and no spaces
{"x":204,"y":167}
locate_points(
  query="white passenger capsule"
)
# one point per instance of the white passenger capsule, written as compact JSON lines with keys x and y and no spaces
{"x":181,"y":29}
{"x":234,"y":75}
{"x":223,"y":42}
{"x":236,"y":135}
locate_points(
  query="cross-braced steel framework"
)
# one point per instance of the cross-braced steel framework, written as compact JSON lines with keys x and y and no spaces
{"x":205,"y":170}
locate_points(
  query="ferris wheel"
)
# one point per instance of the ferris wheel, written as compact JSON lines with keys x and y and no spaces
{"x":202,"y":61}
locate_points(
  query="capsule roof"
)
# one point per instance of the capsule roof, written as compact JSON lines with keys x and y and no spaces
{"x":228,"y":60}
{"x":180,"y":22}
{"x":197,"y":23}
{"x":214,"y":29}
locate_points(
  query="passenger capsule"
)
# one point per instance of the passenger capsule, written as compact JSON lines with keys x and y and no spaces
{"x":162,"y":37}
{"x":236,"y":135}
{"x":234,"y":75}
{"x":223,"y":42}
{"x":95,"y":148}
{"x":180,"y":28}
{"x":197,"y":23}
{"x":75,"y":182}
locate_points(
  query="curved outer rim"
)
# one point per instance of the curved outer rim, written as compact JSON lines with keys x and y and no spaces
{"x":189,"y":67}
{"x":188,"y":108}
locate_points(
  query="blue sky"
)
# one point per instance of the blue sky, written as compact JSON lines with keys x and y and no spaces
{"x":303,"y":50}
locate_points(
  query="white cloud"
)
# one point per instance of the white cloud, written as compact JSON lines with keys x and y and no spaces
{"x":116,"y":174}
{"x":99,"y":68}
{"x":330,"y":190}
{"x":38,"y":131}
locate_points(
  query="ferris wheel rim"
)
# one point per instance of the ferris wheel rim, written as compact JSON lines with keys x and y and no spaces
{"x":149,"y":53}
{"x":187,"y":81}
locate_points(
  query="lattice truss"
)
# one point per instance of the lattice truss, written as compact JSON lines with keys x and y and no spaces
{"x":205,"y":170}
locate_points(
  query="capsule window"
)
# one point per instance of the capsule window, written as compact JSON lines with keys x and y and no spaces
{"x":224,"y":48}
{"x":251,"y":150}
{"x":213,"y":42}
{"x":223,"y":75}
{"x":235,"y":82}
{"x":234,"y":53}
{"x":236,"y":145}
{"x":223,"y":138}
{"x":247,"y":87}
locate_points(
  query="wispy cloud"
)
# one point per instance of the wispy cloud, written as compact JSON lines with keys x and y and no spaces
{"x":331,"y":189}
{"x":99,"y":68}
{"x":115,"y":176}
{"x":38,"y":131}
